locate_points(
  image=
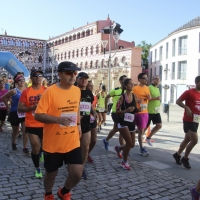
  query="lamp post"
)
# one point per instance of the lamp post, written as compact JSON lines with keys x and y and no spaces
{"x":51,"y":55}
{"x":114,"y":30}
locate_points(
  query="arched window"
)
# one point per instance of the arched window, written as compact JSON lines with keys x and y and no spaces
{"x":83,"y":34}
{"x":59,"y":42}
{"x":61,"y":56}
{"x":65,"y":55}
{"x":91,"y":32}
{"x":58,"y":56}
{"x":92,"y":50}
{"x":69,"y":55}
{"x":96,"y":64}
{"x":102,"y":63}
{"x":62,"y":40}
{"x":86,"y":51}
{"x":88,"y":33}
{"x":97,"y":49}
{"x":74,"y":37}
{"x":91,"y":64}
{"x":82,"y":52}
{"x":73,"y":52}
{"x":56,"y":43}
{"x":78,"y":36}
{"x":77,"y":53}
{"x":70,"y":38}
{"x":66,"y":39}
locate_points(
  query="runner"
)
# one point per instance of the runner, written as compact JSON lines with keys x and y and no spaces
{"x":62,"y":130}
{"x":16,"y":118}
{"x":93,"y":123}
{"x":154,"y":108}
{"x":141,"y":118}
{"x":86,"y":109}
{"x":126,"y":108}
{"x":191,"y":120}
{"x":28,"y":103}
{"x":195,"y":192}
{"x":3,"y":108}
{"x":115,"y":94}
{"x":101,"y":107}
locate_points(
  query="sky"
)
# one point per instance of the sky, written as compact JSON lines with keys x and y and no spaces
{"x":148,"y":20}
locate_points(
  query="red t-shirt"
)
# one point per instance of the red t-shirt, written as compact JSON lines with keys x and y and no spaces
{"x":192,"y":100}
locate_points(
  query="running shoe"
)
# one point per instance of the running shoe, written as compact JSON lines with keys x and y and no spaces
{"x":185,"y":162}
{"x":106,"y":144}
{"x":125,"y":165}
{"x":14,"y":147}
{"x":104,"y":124}
{"x":38,"y":173}
{"x":19,"y":135}
{"x":41,"y":157}
{"x":195,"y":195}
{"x":49,"y":197}
{"x":84,"y":175}
{"x":65,"y":196}
{"x":26,"y":150}
{"x":90,"y":159}
{"x":149,"y":142}
{"x":177,"y":159}
{"x":144,"y":152}
{"x":98,"y":129}
{"x":118,"y":151}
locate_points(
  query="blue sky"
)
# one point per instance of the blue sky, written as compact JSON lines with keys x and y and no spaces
{"x":149,"y":20}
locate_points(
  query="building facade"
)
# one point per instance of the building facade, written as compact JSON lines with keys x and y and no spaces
{"x":16,"y":45}
{"x":176,"y":59}
{"x":83,"y":47}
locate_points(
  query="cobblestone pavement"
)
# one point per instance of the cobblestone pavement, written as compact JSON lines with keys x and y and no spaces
{"x":106,"y":179}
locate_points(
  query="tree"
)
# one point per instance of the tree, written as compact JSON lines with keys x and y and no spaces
{"x":145,"y":52}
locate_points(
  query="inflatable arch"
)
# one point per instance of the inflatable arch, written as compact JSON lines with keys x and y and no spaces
{"x":12,"y":65}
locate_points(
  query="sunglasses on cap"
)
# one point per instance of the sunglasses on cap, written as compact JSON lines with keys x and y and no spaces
{"x":21,"y":80}
{"x":70,"y":73}
{"x":36,"y":75}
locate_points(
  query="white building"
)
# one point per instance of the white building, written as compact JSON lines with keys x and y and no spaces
{"x":176,"y":59}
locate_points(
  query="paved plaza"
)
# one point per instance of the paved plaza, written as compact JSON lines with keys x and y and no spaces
{"x":153,"y":177}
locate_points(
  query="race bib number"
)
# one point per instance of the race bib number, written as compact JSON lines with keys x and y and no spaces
{"x":20,"y":114}
{"x":128,"y":117}
{"x":2,"y":105}
{"x":196,"y":118}
{"x":72,"y":116}
{"x":157,"y":109}
{"x":101,"y":109}
{"x":85,"y":107}
{"x":143,"y":106}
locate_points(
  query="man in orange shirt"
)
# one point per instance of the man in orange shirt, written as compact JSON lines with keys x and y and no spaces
{"x":59,"y":110}
{"x":27,"y":104}
{"x":142,"y":93}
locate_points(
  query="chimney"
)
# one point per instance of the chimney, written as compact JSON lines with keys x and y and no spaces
{"x":5,"y":33}
{"x":108,"y":18}
{"x":133,"y":43}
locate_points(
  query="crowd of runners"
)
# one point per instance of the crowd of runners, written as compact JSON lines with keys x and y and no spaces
{"x":61,"y":122}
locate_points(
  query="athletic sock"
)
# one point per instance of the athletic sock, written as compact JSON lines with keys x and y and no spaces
{"x":48,"y":193}
{"x":36,"y":159}
{"x":64,"y":191}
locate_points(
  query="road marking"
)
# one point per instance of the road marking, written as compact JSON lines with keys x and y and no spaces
{"x":157,"y":165}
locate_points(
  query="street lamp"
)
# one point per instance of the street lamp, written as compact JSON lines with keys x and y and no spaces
{"x":114,"y":30}
{"x":51,"y":55}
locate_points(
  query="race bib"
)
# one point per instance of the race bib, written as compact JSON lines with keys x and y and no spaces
{"x":85,"y":107}
{"x":143,"y":106}
{"x":72,"y":116}
{"x":92,"y":119}
{"x":20,"y":114}
{"x":101,"y":109}
{"x":2,"y":105}
{"x":157,"y":109}
{"x":196,"y":118}
{"x":128,"y":117}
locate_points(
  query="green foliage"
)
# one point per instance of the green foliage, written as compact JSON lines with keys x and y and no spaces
{"x":145,"y":51}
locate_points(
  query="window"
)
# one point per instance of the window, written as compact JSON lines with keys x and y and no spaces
{"x":155,"y":71}
{"x":167,"y":47}
{"x":155,"y":55}
{"x":173,"y":71}
{"x":172,"y":93}
{"x":199,"y":68}
{"x":160,"y":72}
{"x":161,"y":52}
{"x":151,"y":57}
{"x":182,"y":49}
{"x":182,"y":69}
{"x":166,"y":72}
{"x":173,"y":47}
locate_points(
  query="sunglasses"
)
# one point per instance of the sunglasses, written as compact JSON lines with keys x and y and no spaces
{"x":20,"y":73}
{"x":70,"y":73}
{"x":21,"y":80}
{"x":36,"y":75}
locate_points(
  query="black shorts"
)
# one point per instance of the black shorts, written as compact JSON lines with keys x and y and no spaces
{"x":3,"y":114}
{"x":115,"y":118}
{"x":93,"y":124}
{"x":53,"y":161}
{"x":35,"y":131}
{"x":14,"y":119}
{"x":155,"y":118}
{"x":192,"y":126}
{"x":85,"y":124}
